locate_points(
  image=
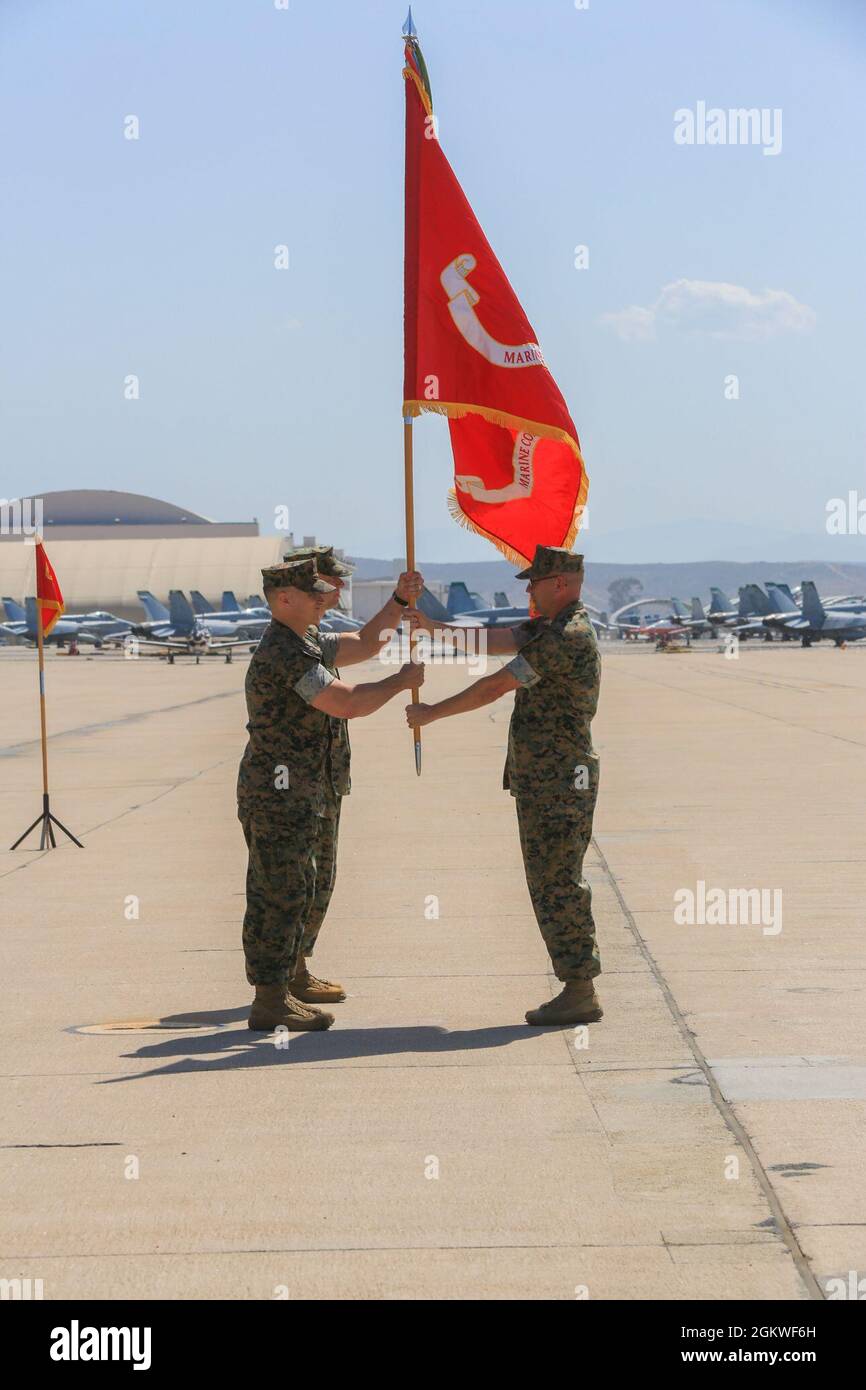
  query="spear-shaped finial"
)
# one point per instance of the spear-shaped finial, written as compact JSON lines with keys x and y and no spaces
{"x":409,"y":29}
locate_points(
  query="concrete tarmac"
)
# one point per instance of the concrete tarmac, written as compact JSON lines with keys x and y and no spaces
{"x":703,"y":1141}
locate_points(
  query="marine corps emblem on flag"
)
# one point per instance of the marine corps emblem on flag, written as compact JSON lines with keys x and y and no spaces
{"x":471,"y":354}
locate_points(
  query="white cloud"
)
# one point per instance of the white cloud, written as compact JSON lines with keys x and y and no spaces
{"x":716,"y":309}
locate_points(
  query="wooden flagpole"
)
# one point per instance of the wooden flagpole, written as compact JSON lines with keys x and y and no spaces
{"x":408,"y":485}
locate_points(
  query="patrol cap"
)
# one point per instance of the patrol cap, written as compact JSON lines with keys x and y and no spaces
{"x":296,"y":574}
{"x":326,"y":560}
{"x":550,"y":560}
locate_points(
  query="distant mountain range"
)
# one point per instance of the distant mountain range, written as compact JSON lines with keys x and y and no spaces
{"x":665,"y":580}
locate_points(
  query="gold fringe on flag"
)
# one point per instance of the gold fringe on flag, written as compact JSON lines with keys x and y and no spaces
{"x":455,"y":411}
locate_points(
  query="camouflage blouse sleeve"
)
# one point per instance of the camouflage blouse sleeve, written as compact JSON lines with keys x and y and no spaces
{"x":308,"y":678}
{"x":547,"y":657}
{"x":526,"y":631}
{"x":328,"y":642}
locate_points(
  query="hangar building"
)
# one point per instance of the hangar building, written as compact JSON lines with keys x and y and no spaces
{"x":106,"y":545}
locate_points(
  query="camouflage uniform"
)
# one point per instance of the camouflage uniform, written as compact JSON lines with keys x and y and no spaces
{"x":552,"y":772}
{"x":329,"y":825}
{"x":293,"y":772}
{"x":327,"y":564}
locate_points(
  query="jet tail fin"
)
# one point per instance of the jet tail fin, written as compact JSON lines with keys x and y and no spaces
{"x":719,"y":603}
{"x":230,"y":603}
{"x":14,"y":612}
{"x":698,"y":610}
{"x":431,"y":606}
{"x":30,"y":614}
{"x":156,"y":611}
{"x":781,"y":598}
{"x":199,"y":602}
{"x":180,"y":612}
{"x":460,"y":600}
{"x":813,"y":608}
{"x":758,"y":601}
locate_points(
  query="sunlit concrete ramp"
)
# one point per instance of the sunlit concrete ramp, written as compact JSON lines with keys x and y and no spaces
{"x":703,"y":1141}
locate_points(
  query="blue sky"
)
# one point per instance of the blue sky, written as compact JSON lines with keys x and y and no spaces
{"x":261,"y":126}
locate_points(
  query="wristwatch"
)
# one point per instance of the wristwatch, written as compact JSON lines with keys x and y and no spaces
{"x":403,"y":602}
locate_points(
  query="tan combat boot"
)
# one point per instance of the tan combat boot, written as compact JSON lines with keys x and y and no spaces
{"x":305,"y":986}
{"x":577,"y":1003}
{"x":274,"y":1007}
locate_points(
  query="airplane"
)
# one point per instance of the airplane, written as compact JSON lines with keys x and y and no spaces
{"x":721,"y":611}
{"x":696,"y":621}
{"x":73,"y":626}
{"x":460,"y":600}
{"x":599,"y":622}
{"x":851,"y":603}
{"x":654,"y":625}
{"x":840,"y":627}
{"x":230,"y":617}
{"x":785,"y":616}
{"x":491,"y":617}
{"x":16,"y":618}
{"x":184,"y":635}
{"x":784,"y":589}
{"x":666,"y":630}
{"x":245,"y":627}
{"x":335,"y":620}
{"x":467,"y":609}
{"x":754,"y":606}
{"x":746,"y":619}
{"x":159,"y":621}
{"x":66,"y":629}
{"x":699,"y":617}
{"x":838,"y":603}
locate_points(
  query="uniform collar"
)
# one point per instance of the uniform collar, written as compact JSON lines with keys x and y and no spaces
{"x":308,"y":642}
{"x":567,"y":612}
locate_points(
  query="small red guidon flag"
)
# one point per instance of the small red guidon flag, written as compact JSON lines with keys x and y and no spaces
{"x":471,"y":354}
{"x":49,"y":599}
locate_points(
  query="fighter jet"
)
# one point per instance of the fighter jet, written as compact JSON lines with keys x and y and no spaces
{"x":696,"y":621}
{"x":784,"y":616}
{"x":839,"y":627}
{"x":246,"y":622}
{"x":71,"y":627}
{"x":337,"y":621}
{"x":158,"y":618}
{"x":851,"y":603}
{"x":721,"y":611}
{"x":16,"y":618}
{"x":754,"y":605}
{"x":460,"y":600}
{"x":185,"y":634}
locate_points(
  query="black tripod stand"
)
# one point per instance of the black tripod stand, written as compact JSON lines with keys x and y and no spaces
{"x":47,"y":820}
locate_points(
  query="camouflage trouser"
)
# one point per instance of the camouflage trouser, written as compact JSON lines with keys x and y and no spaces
{"x":553,"y":845}
{"x":283,"y":893}
{"x":326,"y":876}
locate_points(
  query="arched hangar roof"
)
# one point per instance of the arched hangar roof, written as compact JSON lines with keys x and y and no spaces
{"x":99,"y":507}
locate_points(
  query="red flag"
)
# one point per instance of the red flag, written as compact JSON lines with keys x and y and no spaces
{"x":471,"y":354}
{"x":49,"y":599}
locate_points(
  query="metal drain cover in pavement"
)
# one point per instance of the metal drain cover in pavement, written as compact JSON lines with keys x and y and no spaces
{"x":190,"y":1024}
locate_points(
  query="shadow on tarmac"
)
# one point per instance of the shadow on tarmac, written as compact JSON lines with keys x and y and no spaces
{"x":231,"y":1047}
